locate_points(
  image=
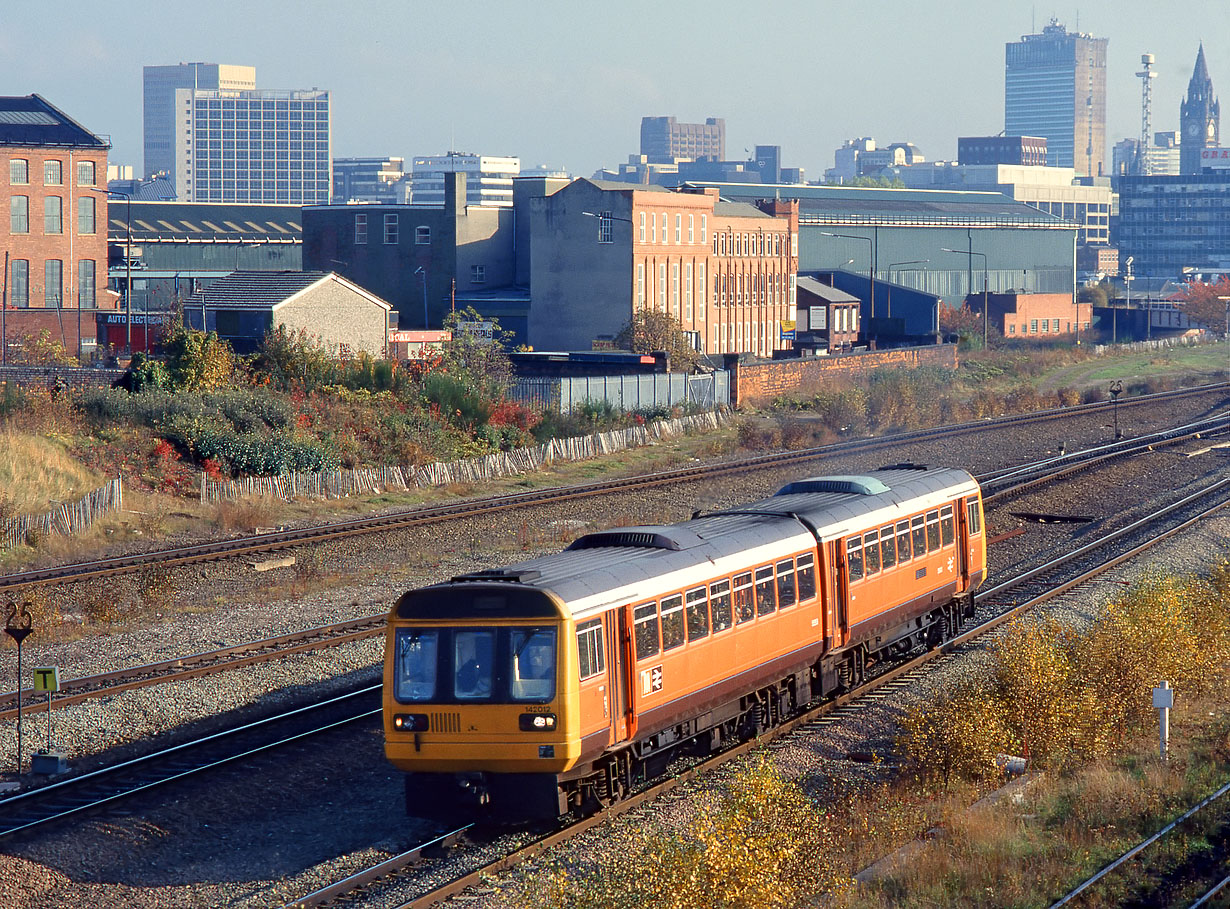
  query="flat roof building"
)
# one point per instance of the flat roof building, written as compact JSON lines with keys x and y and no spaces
{"x":665,"y":138}
{"x":489,"y":178}
{"x":159,"y":84}
{"x":1055,"y":87}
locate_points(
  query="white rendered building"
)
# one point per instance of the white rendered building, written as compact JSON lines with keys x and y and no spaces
{"x":489,"y":178}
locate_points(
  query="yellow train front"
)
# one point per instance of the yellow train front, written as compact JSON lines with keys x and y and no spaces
{"x":478,"y":709}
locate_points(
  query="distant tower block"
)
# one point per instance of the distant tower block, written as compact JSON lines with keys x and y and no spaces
{"x":1146,"y":75}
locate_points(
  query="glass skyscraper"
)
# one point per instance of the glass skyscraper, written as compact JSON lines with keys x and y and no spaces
{"x":1055,"y":86}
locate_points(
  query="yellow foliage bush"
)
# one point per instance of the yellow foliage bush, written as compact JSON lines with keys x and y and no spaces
{"x":1057,"y":694}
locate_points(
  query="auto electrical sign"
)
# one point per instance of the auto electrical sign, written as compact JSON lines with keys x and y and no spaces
{"x":1215,"y":157}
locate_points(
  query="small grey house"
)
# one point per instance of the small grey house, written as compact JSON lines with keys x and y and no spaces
{"x":245,"y":305}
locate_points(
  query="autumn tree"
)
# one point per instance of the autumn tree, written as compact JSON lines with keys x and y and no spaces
{"x":649,"y":331}
{"x":197,"y":361}
{"x":1205,"y":304}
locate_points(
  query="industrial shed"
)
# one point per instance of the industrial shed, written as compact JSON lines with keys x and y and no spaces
{"x":245,"y":305}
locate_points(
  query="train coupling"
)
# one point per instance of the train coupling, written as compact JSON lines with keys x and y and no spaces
{"x":474,"y":790}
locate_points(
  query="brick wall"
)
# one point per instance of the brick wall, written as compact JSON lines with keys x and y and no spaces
{"x":761,"y":381}
{"x":45,"y":376}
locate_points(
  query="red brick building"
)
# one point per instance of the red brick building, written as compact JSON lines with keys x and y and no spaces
{"x":1034,"y":316}
{"x":53,"y":226}
{"x":604,"y":251}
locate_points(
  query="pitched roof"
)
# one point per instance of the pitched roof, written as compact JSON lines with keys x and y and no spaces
{"x":257,"y":288}
{"x":269,"y":289}
{"x":824,"y":291}
{"x":29,"y":120}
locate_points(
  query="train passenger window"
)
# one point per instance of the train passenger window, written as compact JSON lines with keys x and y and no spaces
{"x":473,"y":662}
{"x":591,"y":657}
{"x":719,"y":603}
{"x":975,"y":519}
{"x":645,"y":619}
{"x":672,"y":622}
{"x":766,"y":601}
{"x":698,"y":613}
{"x":888,"y":549}
{"x":903,"y":541}
{"x":854,"y":558}
{"x":948,"y":527}
{"x":918,"y":535}
{"x":532,"y":676}
{"x":416,"y":662}
{"x":807,"y":576}
{"x":871,"y":551}
{"x":933,"y":531}
{"x":785,"y":583}
{"x":745,"y":608}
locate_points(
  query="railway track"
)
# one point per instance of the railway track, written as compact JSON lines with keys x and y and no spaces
{"x":995,"y":608}
{"x":996,"y":485}
{"x":1184,"y":825}
{"x":38,"y":807}
{"x":267,"y":542}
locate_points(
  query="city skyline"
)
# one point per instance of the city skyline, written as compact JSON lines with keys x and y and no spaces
{"x":813,"y":75}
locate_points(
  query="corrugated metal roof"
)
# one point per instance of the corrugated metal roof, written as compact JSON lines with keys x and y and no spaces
{"x":205,"y":222}
{"x":738,"y":210}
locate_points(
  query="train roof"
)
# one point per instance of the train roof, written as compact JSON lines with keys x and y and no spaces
{"x":624,"y":564}
{"x":835,"y":505}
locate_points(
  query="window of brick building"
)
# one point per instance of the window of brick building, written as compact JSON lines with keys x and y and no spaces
{"x":53,"y":215}
{"x":606,"y":228}
{"x":86,"y":290}
{"x":19,"y":214}
{"x":53,"y":283}
{"x":360,"y":230}
{"x":85,"y":173}
{"x":641,"y":229}
{"x":691,"y":228}
{"x":19,"y":286}
{"x":53,"y":173}
{"x":85,"y":215}
{"x":478,"y":274}
{"x":422,"y":235}
{"x":390,"y":230}
{"x":19,"y":171}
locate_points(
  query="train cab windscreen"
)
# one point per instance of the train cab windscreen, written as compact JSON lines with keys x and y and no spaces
{"x":469,"y":665}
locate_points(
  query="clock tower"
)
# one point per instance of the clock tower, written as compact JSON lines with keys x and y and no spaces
{"x":1199,"y":118}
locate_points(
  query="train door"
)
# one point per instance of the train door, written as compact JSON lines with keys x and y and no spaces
{"x":617,"y":637}
{"x":963,"y":542}
{"x":840,"y":578}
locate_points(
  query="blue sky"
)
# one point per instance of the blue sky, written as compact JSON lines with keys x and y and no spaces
{"x":566,"y":83}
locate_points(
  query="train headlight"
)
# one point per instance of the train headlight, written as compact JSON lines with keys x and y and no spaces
{"x":410,"y":722}
{"x":537,"y":722}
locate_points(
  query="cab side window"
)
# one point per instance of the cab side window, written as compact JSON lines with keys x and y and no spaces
{"x":975,"y":519}
{"x":591,"y":658}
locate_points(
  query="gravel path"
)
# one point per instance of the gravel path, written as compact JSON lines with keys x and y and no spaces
{"x":288,"y":823}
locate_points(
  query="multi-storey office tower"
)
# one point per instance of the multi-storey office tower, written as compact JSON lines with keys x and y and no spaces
{"x":1055,"y":87}
{"x":253,"y":146}
{"x":489,"y":178}
{"x":160,"y":85}
{"x":666,"y":138}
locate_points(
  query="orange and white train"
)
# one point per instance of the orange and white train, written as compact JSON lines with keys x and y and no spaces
{"x":559,"y":682}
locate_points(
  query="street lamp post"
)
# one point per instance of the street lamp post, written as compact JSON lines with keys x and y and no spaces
{"x":985,"y":311}
{"x":127,"y":265}
{"x":1127,"y":282}
{"x":1226,"y":300}
{"x":871,"y":274}
{"x":891,"y":266}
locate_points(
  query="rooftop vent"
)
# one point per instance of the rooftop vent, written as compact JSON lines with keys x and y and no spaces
{"x":673,"y":538}
{"x":520,"y":576}
{"x":858,"y":486}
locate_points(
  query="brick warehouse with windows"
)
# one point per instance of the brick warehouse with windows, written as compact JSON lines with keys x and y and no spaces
{"x":53,"y":178}
{"x":604,"y":251}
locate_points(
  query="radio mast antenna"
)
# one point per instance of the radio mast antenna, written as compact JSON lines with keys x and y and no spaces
{"x":1146,"y":75}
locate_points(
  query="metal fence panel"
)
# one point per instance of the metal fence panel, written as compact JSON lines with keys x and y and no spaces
{"x":635,"y":392}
